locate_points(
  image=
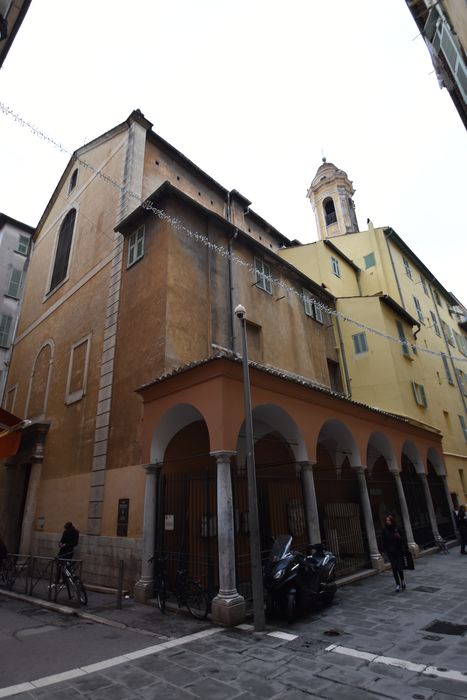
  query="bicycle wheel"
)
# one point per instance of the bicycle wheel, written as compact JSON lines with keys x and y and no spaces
{"x":9,"y":574}
{"x":160,"y":591}
{"x":81,"y":592}
{"x":195,"y":600}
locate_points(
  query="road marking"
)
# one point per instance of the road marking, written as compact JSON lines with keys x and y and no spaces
{"x":107,"y":663}
{"x":398,"y":663}
{"x":283,"y":635}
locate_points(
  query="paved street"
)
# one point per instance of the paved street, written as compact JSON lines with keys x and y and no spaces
{"x":372,"y":643}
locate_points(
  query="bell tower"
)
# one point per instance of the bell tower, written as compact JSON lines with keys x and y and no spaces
{"x":330,"y":194}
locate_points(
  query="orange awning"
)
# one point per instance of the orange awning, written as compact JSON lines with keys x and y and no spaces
{"x":10,"y":433}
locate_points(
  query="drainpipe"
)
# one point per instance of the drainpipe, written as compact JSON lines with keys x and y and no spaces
{"x":232,"y":237}
{"x":342,"y":356}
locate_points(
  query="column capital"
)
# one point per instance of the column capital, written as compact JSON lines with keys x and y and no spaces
{"x":307,"y":464}
{"x":152,"y":468}
{"x":360,"y":468}
{"x":222,"y":454}
{"x":422,"y":475}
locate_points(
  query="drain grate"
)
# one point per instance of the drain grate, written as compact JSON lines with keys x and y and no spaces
{"x":440,"y":627}
{"x":426,"y":589}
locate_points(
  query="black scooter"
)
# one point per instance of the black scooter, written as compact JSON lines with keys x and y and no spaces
{"x":294,"y":581}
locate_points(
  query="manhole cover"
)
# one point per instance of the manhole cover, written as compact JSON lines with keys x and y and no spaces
{"x":426,"y":589}
{"x":440,"y":627}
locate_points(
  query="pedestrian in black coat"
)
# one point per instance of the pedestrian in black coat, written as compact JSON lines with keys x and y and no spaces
{"x":68,"y":541}
{"x":394,"y":547}
{"x":462,"y":527}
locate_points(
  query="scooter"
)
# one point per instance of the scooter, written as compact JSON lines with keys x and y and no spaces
{"x":294,"y":581}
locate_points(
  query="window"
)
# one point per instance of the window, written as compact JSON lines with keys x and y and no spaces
{"x":329,"y":212}
{"x":369,"y":260}
{"x":419,"y":394}
{"x":73,"y":180}
{"x":15,"y":283}
{"x":136,"y":246}
{"x":62,"y":253}
{"x":448,"y":334}
{"x":335,"y":266}
{"x":263,"y":276}
{"x":405,"y":345}
{"x":419,"y":309}
{"x":5,"y":325}
{"x":407,"y":269}
{"x":78,"y":370}
{"x":435,"y":324}
{"x":359,"y":343}
{"x":446,"y":368}
{"x":425,"y":286}
{"x":437,"y":297}
{"x":459,"y":343}
{"x":23,"y":245}
{"x":464,"y":430}
{"x":312,"y":307}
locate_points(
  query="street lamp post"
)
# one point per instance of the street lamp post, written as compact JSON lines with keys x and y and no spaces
{"x":255,"y":547}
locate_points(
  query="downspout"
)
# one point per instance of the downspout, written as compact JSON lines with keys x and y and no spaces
{"x":343,"y":360}
{"x":388,"y":235}
{"x":228,"y":216}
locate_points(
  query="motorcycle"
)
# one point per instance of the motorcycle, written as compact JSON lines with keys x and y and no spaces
{"x":294,"y":581}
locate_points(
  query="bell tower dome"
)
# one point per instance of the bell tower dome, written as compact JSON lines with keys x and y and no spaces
{"x":330,"y":194}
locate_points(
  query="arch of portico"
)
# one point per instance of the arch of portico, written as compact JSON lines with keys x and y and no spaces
{"x":302,"y":436}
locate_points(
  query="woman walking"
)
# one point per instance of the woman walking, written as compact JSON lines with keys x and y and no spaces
{"x":462,"y":527}
{"x":394,"y":546}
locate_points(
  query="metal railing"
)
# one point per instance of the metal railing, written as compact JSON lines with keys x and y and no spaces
{"x":34,"y":575}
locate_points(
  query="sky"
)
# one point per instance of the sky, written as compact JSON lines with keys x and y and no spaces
{"x":255,"y":92}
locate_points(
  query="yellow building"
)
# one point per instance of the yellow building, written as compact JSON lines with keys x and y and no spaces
{"x":401,"y":335}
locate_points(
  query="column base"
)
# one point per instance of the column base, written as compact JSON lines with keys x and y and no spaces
{"x":414,"y":549}
{"x":143,"y":590}
{"x":228,"y":612}
{"x":377,"y":562}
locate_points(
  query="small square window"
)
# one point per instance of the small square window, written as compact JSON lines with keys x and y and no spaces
{"x":369,"y":260}
{"x":312,"y":307}
{"x":360,"y":344}
{"x":23,"y":245}
{"x":335,"y":266}
{"x":136,"y":246}
{"x":263,"y":276}
{"x":419,"y":394}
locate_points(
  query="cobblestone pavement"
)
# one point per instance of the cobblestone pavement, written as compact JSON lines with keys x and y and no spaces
{"x":372,"y":643}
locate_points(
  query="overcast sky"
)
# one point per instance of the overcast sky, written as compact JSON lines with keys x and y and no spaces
{"x":254,"y":92}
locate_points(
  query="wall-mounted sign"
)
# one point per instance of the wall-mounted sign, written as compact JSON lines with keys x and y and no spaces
{"x":169,"y":522}
{"x":122,"y":517}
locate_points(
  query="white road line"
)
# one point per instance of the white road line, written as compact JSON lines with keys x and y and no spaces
{"x":283,"y":635}
{"x":107,"y":663}
{"x":399,"y":663}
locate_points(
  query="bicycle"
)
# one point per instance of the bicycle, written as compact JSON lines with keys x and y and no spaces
{"x":68,"y":578}
{"x":8,"y":573}
{"x":187,"y":591}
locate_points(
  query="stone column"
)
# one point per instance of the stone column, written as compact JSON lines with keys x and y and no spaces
{"x":30,"y":506}
{"x":444,"y":479}
{"x":412,"y":545}
{"x":431,"y":510}
{"x":228,"y":606}
{"x":144,"y":587}
{"x":377,"y":560}
{"x":311,"y":506}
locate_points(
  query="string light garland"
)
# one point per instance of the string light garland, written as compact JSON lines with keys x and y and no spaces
{"x":218,"y":249}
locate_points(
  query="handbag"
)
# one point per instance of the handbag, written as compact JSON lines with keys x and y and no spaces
{"x":408,"y":561}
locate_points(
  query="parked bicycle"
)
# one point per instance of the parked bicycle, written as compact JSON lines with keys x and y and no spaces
{"x":187,"y":591}
{"x":8,"y":573}
{"x":68,"y":579}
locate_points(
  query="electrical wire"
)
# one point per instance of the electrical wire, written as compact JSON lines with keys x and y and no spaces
{"x":218,"y":249}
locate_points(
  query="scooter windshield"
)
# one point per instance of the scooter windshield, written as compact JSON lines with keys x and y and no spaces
{"x":281,"y":547}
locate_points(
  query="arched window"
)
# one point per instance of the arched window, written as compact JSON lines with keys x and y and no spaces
{"x":73,"y":180}
{"x":329,"y":211}
{"x":62,"y":253}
